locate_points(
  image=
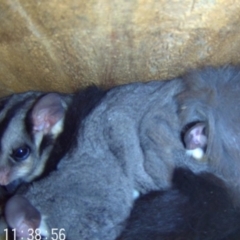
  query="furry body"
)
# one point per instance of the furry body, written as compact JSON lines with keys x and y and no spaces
{"x":121,"y":147}
{"x":196,"y":207}
{"x":132,"y":141}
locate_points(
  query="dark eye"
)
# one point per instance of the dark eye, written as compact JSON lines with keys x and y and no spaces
{"x":21,"y":154}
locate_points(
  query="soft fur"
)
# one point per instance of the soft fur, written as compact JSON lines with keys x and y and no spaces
{"x":131,"y":142}
{"x":197,"y":207}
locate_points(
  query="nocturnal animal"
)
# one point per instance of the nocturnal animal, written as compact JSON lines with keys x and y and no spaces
{"x":197,"y":206}
{"x":30,"y":123}
{"x":129,"y":143}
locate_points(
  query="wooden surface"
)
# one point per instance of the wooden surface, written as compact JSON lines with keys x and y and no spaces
{"x":66,"y":44}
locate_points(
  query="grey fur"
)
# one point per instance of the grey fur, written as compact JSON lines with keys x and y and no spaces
{"x":15,"y":132}
{"x":213,"y":96}
{"x":132,"y":141}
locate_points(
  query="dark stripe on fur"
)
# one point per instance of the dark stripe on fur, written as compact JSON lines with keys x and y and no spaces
{"x":10,"y":115}
{"x":82,"y":104}
{"x":46,"y":142}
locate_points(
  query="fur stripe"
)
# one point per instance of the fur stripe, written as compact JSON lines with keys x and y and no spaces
{"x":11,"y":112}
{"x":82,"y":104}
